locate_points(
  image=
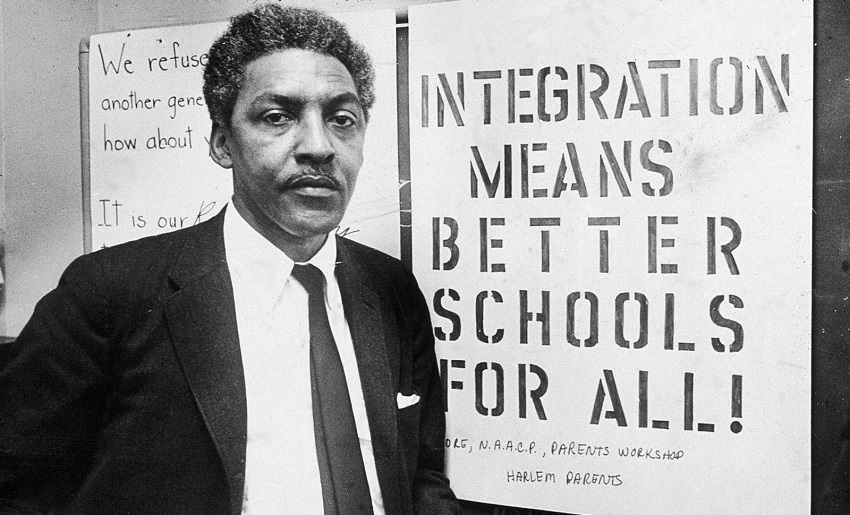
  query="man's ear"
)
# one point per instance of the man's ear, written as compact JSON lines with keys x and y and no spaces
{"x":220,"y":146}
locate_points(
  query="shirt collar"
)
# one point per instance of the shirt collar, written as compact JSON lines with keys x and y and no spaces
{"x":264,"y":267}
{"x":325,"y":258}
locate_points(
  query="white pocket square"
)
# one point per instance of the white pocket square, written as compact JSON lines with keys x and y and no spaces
{"x":406,"y":400}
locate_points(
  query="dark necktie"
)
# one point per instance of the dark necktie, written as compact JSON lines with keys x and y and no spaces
{"x":345,"y":489}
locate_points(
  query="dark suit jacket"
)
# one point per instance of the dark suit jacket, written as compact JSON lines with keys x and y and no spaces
{"x":126,"y":394}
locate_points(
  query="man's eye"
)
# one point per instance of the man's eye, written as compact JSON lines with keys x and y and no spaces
{"x":343,"y":120}
{"x":275,"y":118}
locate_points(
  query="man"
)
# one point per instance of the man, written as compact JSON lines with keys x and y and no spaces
{"x":191,"y":373}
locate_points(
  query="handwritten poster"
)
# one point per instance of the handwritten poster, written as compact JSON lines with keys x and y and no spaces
{"x":150,"y":168}
{"x":612,"y":223}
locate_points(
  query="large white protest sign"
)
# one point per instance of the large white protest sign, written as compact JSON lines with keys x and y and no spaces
{"x":150,"y":171}
{"x":612,"y":224}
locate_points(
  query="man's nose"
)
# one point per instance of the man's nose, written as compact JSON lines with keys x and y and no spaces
{"x":314,"y":144}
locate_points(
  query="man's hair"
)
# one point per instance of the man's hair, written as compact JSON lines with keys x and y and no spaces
{"x":269,"y":28}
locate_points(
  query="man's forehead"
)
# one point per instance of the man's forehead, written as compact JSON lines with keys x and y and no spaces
{"x":292,"y":67}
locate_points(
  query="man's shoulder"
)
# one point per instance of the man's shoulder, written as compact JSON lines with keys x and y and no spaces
{"x":136,"y":259}
{"x":372,"y":259}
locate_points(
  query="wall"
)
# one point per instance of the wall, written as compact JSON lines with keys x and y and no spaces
{"x":2,"y":178}
{"x":831,"y":331}
{"x":41,"y":145}
{"x":117,"y":15}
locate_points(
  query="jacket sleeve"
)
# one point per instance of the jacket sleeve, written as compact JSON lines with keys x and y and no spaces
{"x":431,"y":491}
{"x":53,"y":386}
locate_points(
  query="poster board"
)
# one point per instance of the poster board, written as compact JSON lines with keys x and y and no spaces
{"x":148,"y":168}
{"x":611,"y":210}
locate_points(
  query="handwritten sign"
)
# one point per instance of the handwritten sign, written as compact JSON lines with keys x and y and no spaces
{"x":611,"y":222}
{"x":150,"y":168}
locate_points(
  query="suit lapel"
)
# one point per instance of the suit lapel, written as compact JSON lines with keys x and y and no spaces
{"x":374,"y":355}
{"x":202,"y":319}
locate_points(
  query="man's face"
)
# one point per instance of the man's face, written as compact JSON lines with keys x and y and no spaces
{"x":295,"y":144}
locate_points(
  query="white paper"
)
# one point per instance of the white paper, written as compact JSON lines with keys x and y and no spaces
{"x":706,"y":162}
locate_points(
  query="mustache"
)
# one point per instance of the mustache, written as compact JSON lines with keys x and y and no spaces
{"x":315,"y":177}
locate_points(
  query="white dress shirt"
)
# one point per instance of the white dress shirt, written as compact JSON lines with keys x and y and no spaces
{"x":282,"y":471}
